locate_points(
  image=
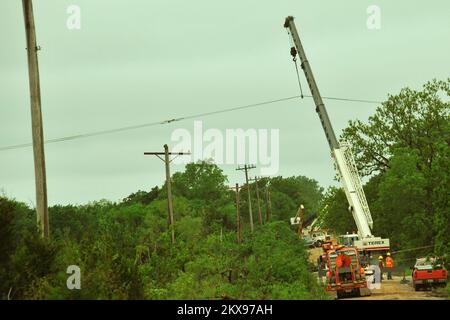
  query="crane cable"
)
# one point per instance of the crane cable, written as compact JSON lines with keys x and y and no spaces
{"x":294,"y":58}
{"x":298,"y":76}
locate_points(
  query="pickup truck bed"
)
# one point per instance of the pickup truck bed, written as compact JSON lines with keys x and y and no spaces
{"x":428,"y":276}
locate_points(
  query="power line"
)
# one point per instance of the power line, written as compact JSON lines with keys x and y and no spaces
{"x":412,"y":249}
{"x":350,"y":100}
{"x":198,"y":115}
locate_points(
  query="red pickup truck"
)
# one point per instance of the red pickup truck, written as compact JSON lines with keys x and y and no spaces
{"x":429,"y":272}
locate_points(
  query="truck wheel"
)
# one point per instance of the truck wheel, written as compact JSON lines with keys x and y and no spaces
{"x":340,"y":294}
{"x":357,"y":292}
{"x":416,"y":287}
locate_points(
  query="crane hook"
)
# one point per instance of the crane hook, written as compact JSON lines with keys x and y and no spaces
{"x":294,"y":58}
{"x":294,"y":53}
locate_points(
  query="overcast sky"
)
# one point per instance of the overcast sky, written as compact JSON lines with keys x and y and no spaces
{"x":136,"y":62}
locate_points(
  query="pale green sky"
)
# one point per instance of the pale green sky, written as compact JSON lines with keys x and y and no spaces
{"x":136,"y":61}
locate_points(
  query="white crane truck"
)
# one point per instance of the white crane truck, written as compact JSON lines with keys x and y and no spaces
{"x":342,"y":155}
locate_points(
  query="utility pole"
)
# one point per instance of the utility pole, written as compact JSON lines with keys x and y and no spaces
{"x":257,"y":200}
{"x":238,"y":214}
{"x":169,"y":191}
{"x":246,"y":168}
{"x":236,"y":188}
{"x":267,"y":198}
{"x":36,"y":120}
{"x":167,"y":162}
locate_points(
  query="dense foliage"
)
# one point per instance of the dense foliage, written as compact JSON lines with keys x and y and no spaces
{"x":124,"y":249}
{"x":404,"y":150}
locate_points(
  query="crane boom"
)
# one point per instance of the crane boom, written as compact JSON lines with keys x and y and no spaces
{"x":320,"y":106}
{"x":341,"y":153}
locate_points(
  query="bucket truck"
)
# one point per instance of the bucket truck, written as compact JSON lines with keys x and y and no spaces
{"x":342,"y":155}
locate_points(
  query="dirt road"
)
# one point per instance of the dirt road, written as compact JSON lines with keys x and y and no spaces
{"x":314,"y":253}
{"x":395,"y":290}
{"x":391,"y":289}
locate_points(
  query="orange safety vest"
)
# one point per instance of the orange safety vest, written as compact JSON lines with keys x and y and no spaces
{"x":389,"y":262}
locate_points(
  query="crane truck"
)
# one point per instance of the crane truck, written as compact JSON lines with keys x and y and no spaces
{"x":342,"y":155}
{"x":344,"y":271}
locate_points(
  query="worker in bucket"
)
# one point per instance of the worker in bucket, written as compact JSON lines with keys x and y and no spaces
{"x":381,"y":266}
{"x":389,"y":265}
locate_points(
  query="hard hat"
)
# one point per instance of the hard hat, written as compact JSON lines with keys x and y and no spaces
{"x":380,"y":258}
{"x":388,"y":253}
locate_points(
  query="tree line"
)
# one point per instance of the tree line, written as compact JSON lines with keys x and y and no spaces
{"x":124,"y":249}
{"x":403,"y":152}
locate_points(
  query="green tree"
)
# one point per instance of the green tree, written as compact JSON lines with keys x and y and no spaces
{"x":202,"y":180}
{"x":404,"y":147}
{"x":418,"y":120}
{"x":400,"y":212}
{"x":333,"y":212}
{"x":142,"y":197}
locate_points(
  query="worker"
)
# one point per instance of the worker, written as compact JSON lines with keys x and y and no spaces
{"x":381,"y":266}
{"x":389,"y":265}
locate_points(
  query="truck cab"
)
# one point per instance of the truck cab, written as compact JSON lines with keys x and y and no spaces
{"x":319,"y":237}
{"x":367,"y":247}
{"x":348,"y":239}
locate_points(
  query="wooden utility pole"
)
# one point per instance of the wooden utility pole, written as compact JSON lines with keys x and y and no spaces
{"x":167,"y":162}
{"x":36,"y":120}
{"x":238,"y":214}
{"x":246,"y":168}
{"x":267,"y":198}
{"x":257,"y":201}
{"x":169,"y":191}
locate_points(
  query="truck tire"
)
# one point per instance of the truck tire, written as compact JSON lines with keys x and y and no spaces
{"x":416,"y":287}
